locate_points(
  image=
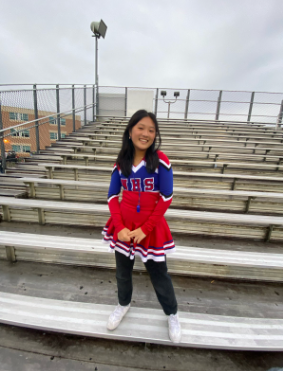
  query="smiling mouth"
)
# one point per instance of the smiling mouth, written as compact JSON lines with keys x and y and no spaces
{"x":143,"y":140}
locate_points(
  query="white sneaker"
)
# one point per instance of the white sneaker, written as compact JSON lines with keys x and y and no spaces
{"x":116,"y":316}
{"x":175,"y":331}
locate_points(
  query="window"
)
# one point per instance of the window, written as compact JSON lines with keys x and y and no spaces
{"x":14,"y":133}
{"x":26,"y":148}
{"x":12,"y":116}
{"x":23,"y":116}
{"x":16,"y":148}
{"x":20,"y":133}
{"x":53,"y":136}
{"x":25,"y":133}
{"x":52,"y":121}
{"x":63,"y":135}
{"x":18,"y":116}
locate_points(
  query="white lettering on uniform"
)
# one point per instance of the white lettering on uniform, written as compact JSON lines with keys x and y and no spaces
{"x":136,"y":184}
{"x":148,"y":184}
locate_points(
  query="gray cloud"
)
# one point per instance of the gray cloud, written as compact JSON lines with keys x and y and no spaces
{"x":204,"y":44}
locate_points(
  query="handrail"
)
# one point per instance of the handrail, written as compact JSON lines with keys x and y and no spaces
{"x":42,"y":89}
{"x":185,"y":89}
{"x":257,"y":108}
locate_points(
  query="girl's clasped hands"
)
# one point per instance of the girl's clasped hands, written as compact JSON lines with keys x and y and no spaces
{"x":136,"y":236}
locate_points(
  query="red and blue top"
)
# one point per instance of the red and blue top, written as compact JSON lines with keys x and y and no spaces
{"x":146,"y":197}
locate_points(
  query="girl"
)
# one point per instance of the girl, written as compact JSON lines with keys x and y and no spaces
{"x":137,"y":225}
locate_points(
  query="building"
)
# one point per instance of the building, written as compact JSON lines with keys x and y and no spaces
{"x":23,"y":139}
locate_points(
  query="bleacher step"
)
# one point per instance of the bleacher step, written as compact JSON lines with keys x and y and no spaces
{"x":142,"y":324}
{"x":187,"y":260}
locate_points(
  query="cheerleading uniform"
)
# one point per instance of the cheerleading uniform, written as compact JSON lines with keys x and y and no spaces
{"x":146,"y":197}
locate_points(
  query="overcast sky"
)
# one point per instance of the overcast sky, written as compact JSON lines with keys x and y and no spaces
{"x":196,"y":44}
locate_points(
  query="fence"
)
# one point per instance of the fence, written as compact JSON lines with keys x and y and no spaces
{"x":33,"y":117}
{"x":197,"y":104}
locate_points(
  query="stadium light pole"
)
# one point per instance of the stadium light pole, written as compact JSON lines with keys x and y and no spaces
{"x":98,"y":29}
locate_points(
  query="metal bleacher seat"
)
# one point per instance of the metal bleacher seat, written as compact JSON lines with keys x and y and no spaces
{"x":216,"y":199}
{"x":187,"y":260}
{"x":181,"y":221}
{"x":61,"y":199}
{"x":142,"y":324}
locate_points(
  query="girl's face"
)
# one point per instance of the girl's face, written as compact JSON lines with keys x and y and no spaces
{"x":143,"y":134}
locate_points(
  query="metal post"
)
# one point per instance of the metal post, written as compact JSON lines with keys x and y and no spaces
{"x":93,"y":103}
{"x":251,"y":106}
{"x":3,"y":164}
{"x":84,"y":104}
{"x":126,"y":101}
{"x":279,"y":120}
{"x":187,"y":104}
{"x":36,"y":118}
{"x":73,"y":108}
{"x":168,"y":110}
{"x":96,"y":75}
{"x":96,"y":60}
{"x":58,"y":112}
{"x":218,"y":105}
{"x":156,"y":102}
{"x":97,"y":102}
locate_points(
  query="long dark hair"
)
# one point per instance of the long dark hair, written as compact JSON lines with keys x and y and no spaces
{"x":126,"y":155}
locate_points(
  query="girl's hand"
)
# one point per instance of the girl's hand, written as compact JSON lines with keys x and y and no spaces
{"x":137,"y":235}
{"x":123,"y":235}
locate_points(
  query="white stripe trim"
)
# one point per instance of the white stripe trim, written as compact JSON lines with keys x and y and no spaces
{"x":169,"y":244}
{"x":109,"y":199}
{"x":150,"y":257}
{"x":120,"y":244}
{"x":166,"y":165}
{"x":159,"y":252}
{"x":165,"y":199}
{"x":140,"y":165}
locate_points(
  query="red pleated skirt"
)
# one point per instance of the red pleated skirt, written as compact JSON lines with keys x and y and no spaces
{"x":156,"y":244}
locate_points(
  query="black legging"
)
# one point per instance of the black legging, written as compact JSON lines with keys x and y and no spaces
{"x":160,"y":280}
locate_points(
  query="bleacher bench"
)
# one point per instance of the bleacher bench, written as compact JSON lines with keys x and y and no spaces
{"x":187,"y":260}
{"x":181,"y":221}
{"x":217,"y":199}
{"x":144,"y":325}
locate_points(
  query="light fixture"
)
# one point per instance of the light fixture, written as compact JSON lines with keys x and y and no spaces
{"x":169,"y":102}
{"x":98,"y":28}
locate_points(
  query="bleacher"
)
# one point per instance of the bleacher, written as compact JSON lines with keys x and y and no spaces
{"x":227,"y":188}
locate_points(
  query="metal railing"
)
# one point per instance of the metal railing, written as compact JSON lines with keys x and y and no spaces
{"x":198,"y":104}
{"x":32,"y":118}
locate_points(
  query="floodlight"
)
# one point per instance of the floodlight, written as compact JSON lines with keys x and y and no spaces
{"x":168,"y":101}
{"x":98,"y":28}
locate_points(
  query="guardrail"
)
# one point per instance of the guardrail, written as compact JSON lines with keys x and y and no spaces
{"x":196,"y":104}
{"x":31,"y":118}
{"x":34,"y":115}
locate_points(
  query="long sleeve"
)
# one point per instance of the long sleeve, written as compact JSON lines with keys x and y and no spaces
{"x":113,"y":199}
{"x":166,"y":194}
